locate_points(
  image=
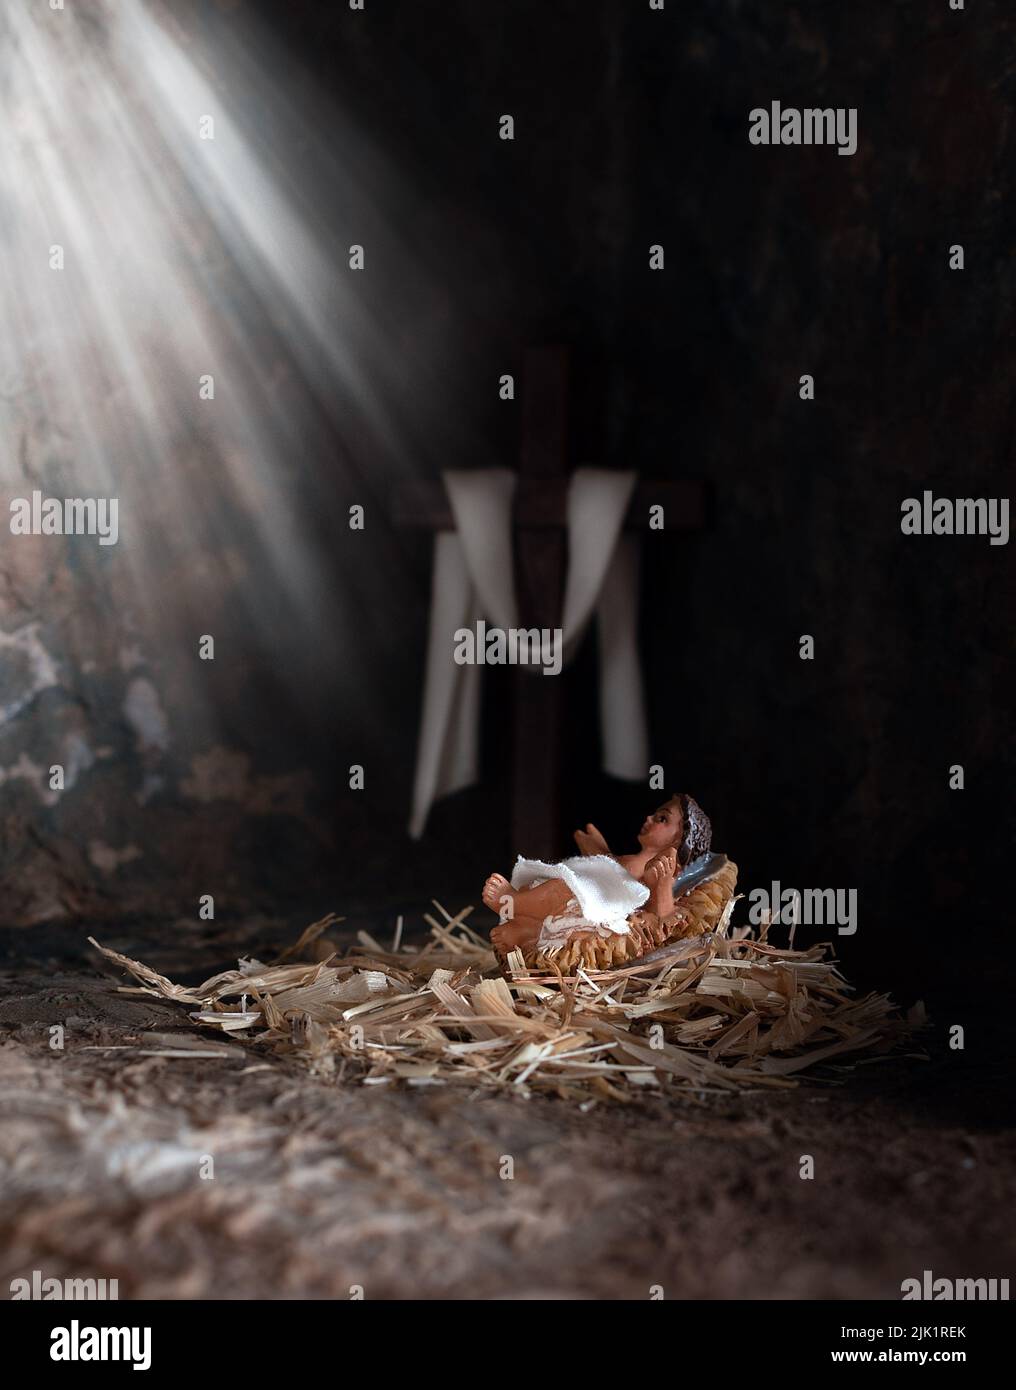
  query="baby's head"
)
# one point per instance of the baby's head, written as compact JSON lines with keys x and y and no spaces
{"x":680,"y":821}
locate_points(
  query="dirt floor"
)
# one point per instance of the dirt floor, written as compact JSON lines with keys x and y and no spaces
{"x":317,"y":1187}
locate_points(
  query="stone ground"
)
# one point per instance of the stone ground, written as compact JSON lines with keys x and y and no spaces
{"x":319,"y":1185}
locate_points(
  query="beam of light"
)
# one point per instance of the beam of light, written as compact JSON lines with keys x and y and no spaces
{"x":185,"y":257}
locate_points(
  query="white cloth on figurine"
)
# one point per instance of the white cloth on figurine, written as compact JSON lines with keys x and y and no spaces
{"x":604,"y":893}
{"x":474,"y":578}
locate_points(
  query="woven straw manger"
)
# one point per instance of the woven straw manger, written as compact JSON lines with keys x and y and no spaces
{"x":719,"y":1013}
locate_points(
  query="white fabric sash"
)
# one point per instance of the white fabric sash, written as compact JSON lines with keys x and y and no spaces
{"x":474,"y":579}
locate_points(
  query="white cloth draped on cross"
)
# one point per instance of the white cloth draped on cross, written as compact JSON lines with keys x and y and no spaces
{"x":474,"y":579}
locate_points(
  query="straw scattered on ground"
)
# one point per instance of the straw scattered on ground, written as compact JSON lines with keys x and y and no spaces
{"x":719,"y":1013}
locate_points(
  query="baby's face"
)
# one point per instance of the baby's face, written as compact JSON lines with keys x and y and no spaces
{"x":663,"y":828}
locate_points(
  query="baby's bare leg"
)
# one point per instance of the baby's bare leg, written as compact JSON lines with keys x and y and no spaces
{"x":529,"y":908}
{"x":549,"y":899}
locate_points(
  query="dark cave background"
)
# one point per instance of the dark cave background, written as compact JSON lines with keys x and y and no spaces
{"x":631,"y":129}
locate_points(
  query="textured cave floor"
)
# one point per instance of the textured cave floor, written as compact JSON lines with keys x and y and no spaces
{"x":322,"y":1185}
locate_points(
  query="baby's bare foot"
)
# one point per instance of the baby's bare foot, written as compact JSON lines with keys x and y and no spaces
{"x":495,"y":890}
{"x":508,"y":935}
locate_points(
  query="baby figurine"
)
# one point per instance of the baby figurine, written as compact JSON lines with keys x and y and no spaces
{"x":600,"y":910}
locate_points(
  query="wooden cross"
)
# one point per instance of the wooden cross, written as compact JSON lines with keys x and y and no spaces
{"x":540,"y":514}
